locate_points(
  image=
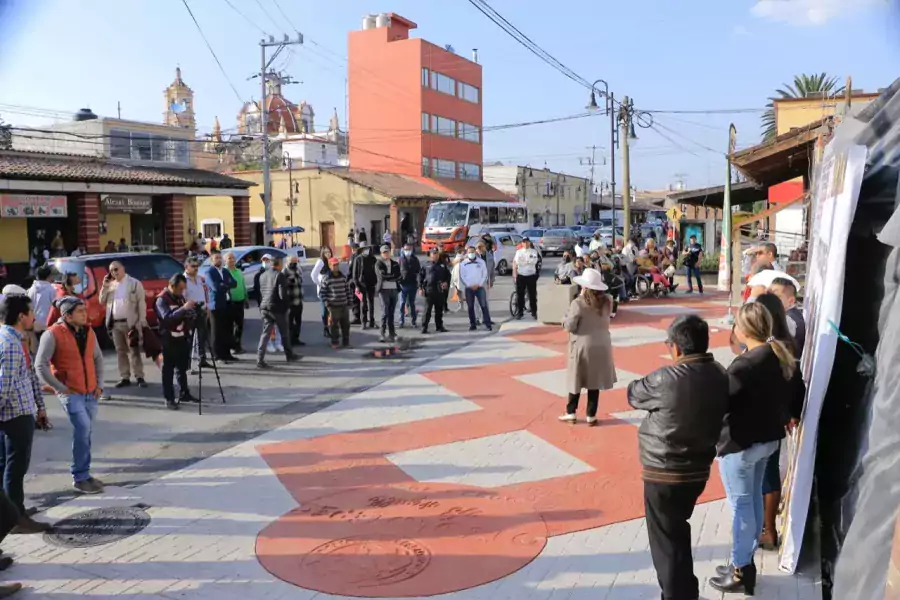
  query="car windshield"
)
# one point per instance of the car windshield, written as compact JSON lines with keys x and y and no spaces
{"x":150,"y":267}
{"x":558,"y":233}
{"x":447,"y":215}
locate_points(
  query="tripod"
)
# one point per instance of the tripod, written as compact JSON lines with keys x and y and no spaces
{"x":212,"y":356}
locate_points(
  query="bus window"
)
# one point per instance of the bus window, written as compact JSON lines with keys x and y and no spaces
{"x":473,"y":216}
{"x":502,"y":215}
{"x":523,"y":215}
{"x":492,"y":215}
{"x":483,"y":215}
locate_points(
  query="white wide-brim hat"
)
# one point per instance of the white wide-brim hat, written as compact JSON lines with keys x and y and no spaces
{"x":765,"y":279}
{"x":591,"y":279}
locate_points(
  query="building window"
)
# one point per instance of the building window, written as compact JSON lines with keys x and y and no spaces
{"x":469,"y":93}
{"x":426,"y":167}
{"x":149,"y":147}
{"x":426,"y":122}
{"x":444,"y":168}
{"x":442,"y":83}
{"x":425,"y":76}
{"x":469,"y":171}
{"x":212,"y":228}
{"x":444,"y":126}
{"x":141,"y":146}
{"x":119,"y":143}
{"x":470,"y":133}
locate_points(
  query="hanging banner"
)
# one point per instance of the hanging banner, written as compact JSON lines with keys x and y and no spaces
{"x":837,"y":180}
{"x":724,"y":283}
{"x":32,"y":205}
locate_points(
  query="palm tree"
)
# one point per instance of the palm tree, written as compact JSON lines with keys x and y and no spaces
{"x":804,"y":86}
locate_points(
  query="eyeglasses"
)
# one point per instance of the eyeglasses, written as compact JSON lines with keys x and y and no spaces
{"x":760,"y":252}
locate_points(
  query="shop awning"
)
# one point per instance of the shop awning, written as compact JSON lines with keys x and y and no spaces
{"x":786,"y":157}
{"x":741,"y":193}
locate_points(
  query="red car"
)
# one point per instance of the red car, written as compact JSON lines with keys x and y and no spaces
{"x":152,"y":270}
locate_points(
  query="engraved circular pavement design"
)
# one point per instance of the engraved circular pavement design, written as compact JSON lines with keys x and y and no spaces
{"x":413,"y":539}
{"x":98,"y":527}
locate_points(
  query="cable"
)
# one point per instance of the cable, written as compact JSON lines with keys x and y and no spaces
{"x":252,"y":24}
{"x":266,"y":13}
{"x":211,"y":51}
{"x":286,"y":18}
{"x":527,"y":42}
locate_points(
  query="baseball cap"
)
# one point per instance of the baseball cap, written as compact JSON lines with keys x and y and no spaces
{"x":333,"y":261}
{"x":385,"y":248}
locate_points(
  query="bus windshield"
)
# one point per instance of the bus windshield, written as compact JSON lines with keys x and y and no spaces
{"x":447,"y":215}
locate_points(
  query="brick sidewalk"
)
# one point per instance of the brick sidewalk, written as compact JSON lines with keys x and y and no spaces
{"x":453,"y":479}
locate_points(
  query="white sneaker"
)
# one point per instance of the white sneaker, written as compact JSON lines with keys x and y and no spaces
{"x":592,"y":421}
{"x":270,"y":347}
{"x":279,"y":348}
{"x":568,"y":418}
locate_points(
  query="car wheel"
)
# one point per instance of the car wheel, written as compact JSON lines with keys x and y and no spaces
{"x":502,"y":268}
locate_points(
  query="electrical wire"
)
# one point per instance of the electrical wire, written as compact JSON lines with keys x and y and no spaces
{"x":283,"y":14}
{"x":211,"y":51}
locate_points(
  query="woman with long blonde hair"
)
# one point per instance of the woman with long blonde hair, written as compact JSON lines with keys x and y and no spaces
{"x":760,"y":395}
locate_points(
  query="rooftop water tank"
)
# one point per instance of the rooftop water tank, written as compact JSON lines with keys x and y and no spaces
{"x":383,"y":20}
{"x":85,"y":114}
{"x":368,"y":22}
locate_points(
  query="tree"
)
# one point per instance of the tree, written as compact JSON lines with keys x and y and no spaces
{"x":804,"y":86}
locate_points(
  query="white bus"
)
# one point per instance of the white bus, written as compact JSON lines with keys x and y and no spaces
{"x":451,"y":223}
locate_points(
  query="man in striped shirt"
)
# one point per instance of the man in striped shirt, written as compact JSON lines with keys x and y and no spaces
{"x":21,"y":405}
{"x":335,"y":291}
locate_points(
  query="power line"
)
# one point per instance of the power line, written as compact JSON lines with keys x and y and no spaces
{"x":245,"y":17}
{"x":514,"y":32}
{"x":283,"y":14}
{"x":266,"y":13}
{"x":211,"y":51}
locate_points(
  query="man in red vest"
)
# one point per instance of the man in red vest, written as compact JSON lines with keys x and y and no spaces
{"x":69,"y":361}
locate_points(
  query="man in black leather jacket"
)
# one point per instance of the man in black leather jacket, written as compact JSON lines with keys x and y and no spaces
{"x":686,"y":405}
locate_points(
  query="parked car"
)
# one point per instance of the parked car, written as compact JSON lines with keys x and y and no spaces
{"x":505,"y":246}
{"x":557,"y":241}
{"x":249,"y":259}
{"x":535,"y":235}
{"x":152,"y":270}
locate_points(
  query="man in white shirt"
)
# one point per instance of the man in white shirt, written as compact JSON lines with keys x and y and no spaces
{"x":126,"y":310}
{"x":525,"y":274}
{"x":473,"y":274}
{"x":596,"y":243}
{"x":197,"y":292}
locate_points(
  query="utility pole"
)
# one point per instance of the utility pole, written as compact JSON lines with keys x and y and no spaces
{"x":726,"y":219}
{"x":264,"y":121}
{"x":613,"y":140}
{"x":590,"y":189}
{"x":624,"y":120}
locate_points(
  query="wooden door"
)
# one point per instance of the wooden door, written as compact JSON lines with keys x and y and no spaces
{"x":326,"y":234}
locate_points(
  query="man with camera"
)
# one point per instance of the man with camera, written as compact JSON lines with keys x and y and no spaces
{"x":176,"y":324}
{"x":198,"y":292}
{"x":126,"y":318}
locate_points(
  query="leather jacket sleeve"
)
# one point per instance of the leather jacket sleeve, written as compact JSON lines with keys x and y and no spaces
{"x":647,"y":393}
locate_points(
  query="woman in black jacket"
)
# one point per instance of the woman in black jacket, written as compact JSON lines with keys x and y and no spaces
{"x":760,"y":394}
{"x":772,"y":481}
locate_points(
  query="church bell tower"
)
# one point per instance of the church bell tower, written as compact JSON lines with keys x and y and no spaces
{"x":179,"y":104}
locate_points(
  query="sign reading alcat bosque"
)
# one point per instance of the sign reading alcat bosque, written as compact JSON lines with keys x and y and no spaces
{"x":32,"y":205}
{"x":135,"y":205}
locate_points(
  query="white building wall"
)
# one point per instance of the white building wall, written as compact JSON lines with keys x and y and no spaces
{"x":58,"y":142}
{"x":312,"y":153}
{"x":364,"y":214}
{"x":789,"y":229}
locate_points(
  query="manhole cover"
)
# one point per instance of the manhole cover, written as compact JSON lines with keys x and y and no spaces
{"x":98,"y":527}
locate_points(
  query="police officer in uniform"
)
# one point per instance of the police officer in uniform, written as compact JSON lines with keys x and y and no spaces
{"x":176,"y":324}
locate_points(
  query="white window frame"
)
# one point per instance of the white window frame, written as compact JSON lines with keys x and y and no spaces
{"x":219,"y":222}
{"x":426,"y":77}
{"x":441,"y":130}
{"x":469,"y":132}
{"x":436,"y":81}
{"x":426,"y":166}
{"x":465,"y":171}
{"x":426,"y":122}
{"x":438,"y":169}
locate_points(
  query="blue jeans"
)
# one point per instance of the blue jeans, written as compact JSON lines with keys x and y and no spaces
{"x":82,"y":409}
{"x":742,"y":474}
{"x":408,"y":299}
{"x":481,"y":295}
{"x":388,"y":308}
{"x":695,"y":271}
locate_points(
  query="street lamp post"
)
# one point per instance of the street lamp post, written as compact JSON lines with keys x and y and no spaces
{"x":613,"y":140}
{"x":288,"y":163}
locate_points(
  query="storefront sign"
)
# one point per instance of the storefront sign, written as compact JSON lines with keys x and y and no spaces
{"x":32,"y":205}
{"x":135,"y":205}
{"x":837,"y":183}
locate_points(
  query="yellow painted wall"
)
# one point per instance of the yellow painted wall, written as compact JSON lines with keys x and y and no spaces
{"x":13,"y":240}
{"x":791,"y":114}
{"x":118,"y":225}
{"x":323,"y":197}
{"x":216,"y":207}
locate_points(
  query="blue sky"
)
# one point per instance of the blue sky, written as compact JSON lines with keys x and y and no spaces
{"x":666,"y":54}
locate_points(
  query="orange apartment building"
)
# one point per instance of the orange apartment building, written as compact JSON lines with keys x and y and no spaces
{"x":415,"y":108}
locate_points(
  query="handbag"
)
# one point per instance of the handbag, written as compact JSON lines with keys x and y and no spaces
{"x":134,"y":337}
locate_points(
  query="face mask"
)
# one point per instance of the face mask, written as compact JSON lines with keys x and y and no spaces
{"x":471,"y":255}
{"x":407,"y":253}
{"x":293,"y":266}
{"x":365,"y":252}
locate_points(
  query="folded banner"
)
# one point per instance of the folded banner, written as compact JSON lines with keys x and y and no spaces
{"x":837,"y":182}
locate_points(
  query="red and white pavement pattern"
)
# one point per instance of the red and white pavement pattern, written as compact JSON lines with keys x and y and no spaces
{"x":453,"y":479}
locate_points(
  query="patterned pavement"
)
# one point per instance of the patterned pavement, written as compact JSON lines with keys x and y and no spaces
{"x":453,"y":479}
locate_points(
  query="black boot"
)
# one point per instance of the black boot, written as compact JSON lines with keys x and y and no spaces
{"x":736,"y":579}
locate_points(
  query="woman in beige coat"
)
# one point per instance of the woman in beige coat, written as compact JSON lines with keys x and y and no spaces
{"x":590,"y":364}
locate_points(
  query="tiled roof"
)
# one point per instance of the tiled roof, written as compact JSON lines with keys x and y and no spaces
{"x":404,"y":186}
{"x":50,"y":167}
